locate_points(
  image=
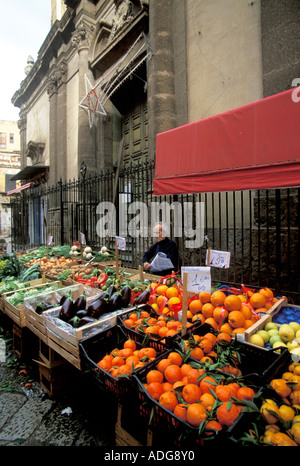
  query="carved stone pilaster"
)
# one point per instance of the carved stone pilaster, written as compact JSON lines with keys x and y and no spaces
{"x":81,"y":38}
{"x":57,"y":77}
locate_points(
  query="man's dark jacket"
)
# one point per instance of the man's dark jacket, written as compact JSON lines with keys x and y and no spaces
{"x":169,"y":248}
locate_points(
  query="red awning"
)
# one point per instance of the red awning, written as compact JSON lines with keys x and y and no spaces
{"x":17,"y":190}
{"x":256,"y":146}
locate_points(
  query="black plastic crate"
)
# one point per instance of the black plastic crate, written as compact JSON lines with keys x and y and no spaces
{"x":92,"y":349}
{"x":257,"y":364}
{"x":159,"y":343}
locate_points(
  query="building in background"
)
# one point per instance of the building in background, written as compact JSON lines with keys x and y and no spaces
{"x":9,"y":166}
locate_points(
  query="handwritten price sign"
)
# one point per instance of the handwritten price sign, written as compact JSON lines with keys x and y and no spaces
{"x":219,"y":259}
{"x":198,"y":279}
{"x":121,"y":243}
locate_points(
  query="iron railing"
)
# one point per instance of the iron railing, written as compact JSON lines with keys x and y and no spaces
{"x":260,"y":229}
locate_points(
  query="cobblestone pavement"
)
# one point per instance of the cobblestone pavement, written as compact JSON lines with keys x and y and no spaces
{"x":29,"y":417}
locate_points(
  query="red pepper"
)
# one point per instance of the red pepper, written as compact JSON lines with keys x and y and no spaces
{"x":102,"y":279}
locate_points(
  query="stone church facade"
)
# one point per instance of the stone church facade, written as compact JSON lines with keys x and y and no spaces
{"x":112,"y":70}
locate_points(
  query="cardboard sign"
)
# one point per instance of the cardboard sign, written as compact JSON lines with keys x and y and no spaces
{"x":198,"y":279}
{"x":219,"y":259}
{"x":121,"y":243}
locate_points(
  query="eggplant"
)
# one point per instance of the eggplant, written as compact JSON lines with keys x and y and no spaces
{"x":80,"y":303}
{"x":86,"y":320}
{"x":115,"y":302}
{"x":111,"y":290}
{"x":62,"y":300}
{"x":67,"y":310}
{"x":98,"y":307}
{"x":143,"y":298}
{"x":81,"y":313}
{"x":126,"y":296}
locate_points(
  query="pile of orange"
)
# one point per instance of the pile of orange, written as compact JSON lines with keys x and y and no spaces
{"x":282,"y":418}
{"x":193,"y":395}
{"x":207,"y":349}
{"x":156,"y":326}
{"x":165,"y":299}
{"x":232,"y":314}
{"x":123,"y":361}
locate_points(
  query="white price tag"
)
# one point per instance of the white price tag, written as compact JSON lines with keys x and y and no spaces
{"x":82,"y":238}
{"x":121,"y":243}
{"x":219,"y":259}
{"x":198,"y":279}
{"x":50,"y":238}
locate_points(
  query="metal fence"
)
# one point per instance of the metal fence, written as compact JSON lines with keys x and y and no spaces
{"x":260,"y":229}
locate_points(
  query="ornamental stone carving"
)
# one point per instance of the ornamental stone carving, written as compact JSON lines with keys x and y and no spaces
{"x":82,"y":36}
{"x":56,"y":78}
{"x":123,"y":15}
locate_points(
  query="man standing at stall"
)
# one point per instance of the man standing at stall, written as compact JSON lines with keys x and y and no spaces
{"x":162,"y":257}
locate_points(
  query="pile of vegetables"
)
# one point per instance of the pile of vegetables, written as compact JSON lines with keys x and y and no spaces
{"x":18,"y":297}
{"x":79,"y":312}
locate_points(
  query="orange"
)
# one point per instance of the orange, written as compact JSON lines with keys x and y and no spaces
{"x":155,"y":390}
{"x":132,"y":361}
{"x":232,"y":303}
{"x":130,"y":344}
{"x":185,"y":369}
{"x":194,"y":375}
{"x":180,"y":411}
{"x":206,"y":345}
{"x":206,"y":360}
{"x":173,"y":373}
{"x":257,"y":300}
{"x":223,"y":336}
{"x":175,"y":358}
{"x":195,"y":414}
{"x":154,"y":376}
{"x":117,"y":361}
{"x":225,"y":328}
{"x":124,"y":370}
{"x":172,"y":292}
{"x":269,"y":413}
{"x":161,"y":289}
{"x":207,"y":400}
{"x":160,"y":299}
{"x":149,"y":352}
{"x":155,"y":306}
{"x":248,"y":323}
{"x":246,"y":310}
{"x":236,"y":319}
{"x":207,"y":384}
{"x":243,"y":298}
{"x":281,"y":387}
{"x":195,"y":306}
{"x":268,"y":294}
{"x":168,"y":400}
{"x":163,"y":364}
{"x":167,"y":386}
{"x":212,"y":425}
{"x":217,"y":298}
{"x":204,"y":297}
{"x":239,"y":330}
{"x":212,"y":337}
{"x":144,"y":315}
{"x":227,"y":413}
{"x":191,"y":393}
{"x":198,"y":317}
{"x":133,"y":316}
{"x":125,"y":353}
{"x":179,"y":383}
{"x":197,"y":353}
{"x":173,"y":301}
{"x":220,"y":314}
{"x":226,"y":392}
{"x":211,"y":321}
{"x":129,"y":323}
{"x":104,"y":364}
{"x":162,"y":332}
{"x":207,"y":310}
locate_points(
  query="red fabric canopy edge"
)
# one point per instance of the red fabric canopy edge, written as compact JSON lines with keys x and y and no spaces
{"x":256,"y":146}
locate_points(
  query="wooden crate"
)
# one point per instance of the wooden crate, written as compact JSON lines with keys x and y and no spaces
{"x":67,"y":344}
{"x":124,"y":439}
{"x":17,"y":314}
{"x":260,"y":324}
{"x":24,"y":343}
{"x":48,"y":357}
{"x":35,"y":322}
{"x":56,"y":381}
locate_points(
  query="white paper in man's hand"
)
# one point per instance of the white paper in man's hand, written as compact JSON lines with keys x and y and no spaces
{"x":161,"y":262}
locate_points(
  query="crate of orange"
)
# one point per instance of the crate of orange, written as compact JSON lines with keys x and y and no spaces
{"x":181,"y":397}
{"x":231,"y":356}
{"x":111,"y":358}
{"x":149,"y":327}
